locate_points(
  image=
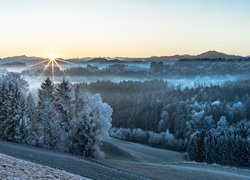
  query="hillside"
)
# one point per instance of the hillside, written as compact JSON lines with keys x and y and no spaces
{"x":67,"y":162}
{"x":13,"y":168}
{"x":164,"y":164}
{"x":125,"y":160}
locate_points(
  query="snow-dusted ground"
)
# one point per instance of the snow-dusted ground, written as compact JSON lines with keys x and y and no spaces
{"x":12,"y":168}
{"x":67,"y":162}
{"x":125,"y":160}
{"x":164,"y":164}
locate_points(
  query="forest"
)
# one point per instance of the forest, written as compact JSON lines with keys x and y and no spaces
{"x":207,"y":122}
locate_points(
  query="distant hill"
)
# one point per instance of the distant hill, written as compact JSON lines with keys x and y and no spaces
{"x":216,"y":55}
{"x":13,"y":64}
{"x":21,"y":59}
{"x":98,"y":60}
{"x":205,"y":55}
{"x":103,"y":60}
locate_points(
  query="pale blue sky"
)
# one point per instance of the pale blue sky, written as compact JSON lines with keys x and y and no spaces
{"x":80,"y":28}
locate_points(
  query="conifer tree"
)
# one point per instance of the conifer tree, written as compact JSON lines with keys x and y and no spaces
{"x":48,"y":125}
{"x":3,"y":109}
{"x":63,"y":104}
{"x":46,"y":92}
{"x":14,"y":106}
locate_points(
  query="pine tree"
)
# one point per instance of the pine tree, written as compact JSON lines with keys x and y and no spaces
{"x":45,"y":96}
{"x":209,"y":146}
{"x":46,"y":92}
{"x":83,"y":140}
{"x":24,"y":130}
{"x":30,"y":120}
{"x":51,"y":130}
{"x":247,"y":104}
{"x":48,"y":125}
{"x":30,"y":109}
{"x":78,"y":101}
{"x":90,"y":125}
{"x":63,"y":104}
{"x":14,"y":105}
{"x":3,"y":109}
{"x":12,"y":93}
{"x":195,"y":148}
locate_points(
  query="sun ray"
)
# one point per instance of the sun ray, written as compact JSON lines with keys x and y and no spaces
{"x":52,"y":62}
{"x":60,"y":67}
{"x":39,"y":63}
{"x":45,"y":69}
{"x":65,"y":62}
{"x":53,"y":69}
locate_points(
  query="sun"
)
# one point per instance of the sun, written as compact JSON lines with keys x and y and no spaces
{"x":52,"y":57}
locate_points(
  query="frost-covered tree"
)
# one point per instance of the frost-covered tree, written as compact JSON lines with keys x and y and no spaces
{"x":58,"y":120}
{"x":63,"y":104}
{"x":46,"y":92}
{"x":162,"y":125}
{"x":138,"y":135}
{"x":99,"y":114}
{"x":12,"y":107}
{"x":3,"y":108}
{"x":92,"y":125}
{"x":48,"y":121}
{"x":237,"y":111}
{"x":17,"y":80}
{"x":78,"y":100}
{"x":162,"y":139}
{"x":122,"y":133}
{"x":24,"y":130}
{"x":226,"y":144}
{"x":247,"y":106}
{"x":14,"y":113}
{"x":48,"y":126}
{"x":30,"y":107}
{"x":31,"y":120}
{"x":83,"y":137}
{"x":12,"y":93}
{"x":195,"y":148}
{"x":51,"y":131}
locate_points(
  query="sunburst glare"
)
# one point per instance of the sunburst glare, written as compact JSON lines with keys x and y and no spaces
{"x":52,"y":56}
{"x":52,"y":62}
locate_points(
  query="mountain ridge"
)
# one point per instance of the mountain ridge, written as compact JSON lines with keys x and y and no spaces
{"x":205,"y":55}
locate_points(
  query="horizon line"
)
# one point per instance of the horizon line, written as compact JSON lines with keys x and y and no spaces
{"x":114,"y":57}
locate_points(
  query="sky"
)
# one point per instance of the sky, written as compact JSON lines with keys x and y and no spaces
{"x":123,"y":28}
